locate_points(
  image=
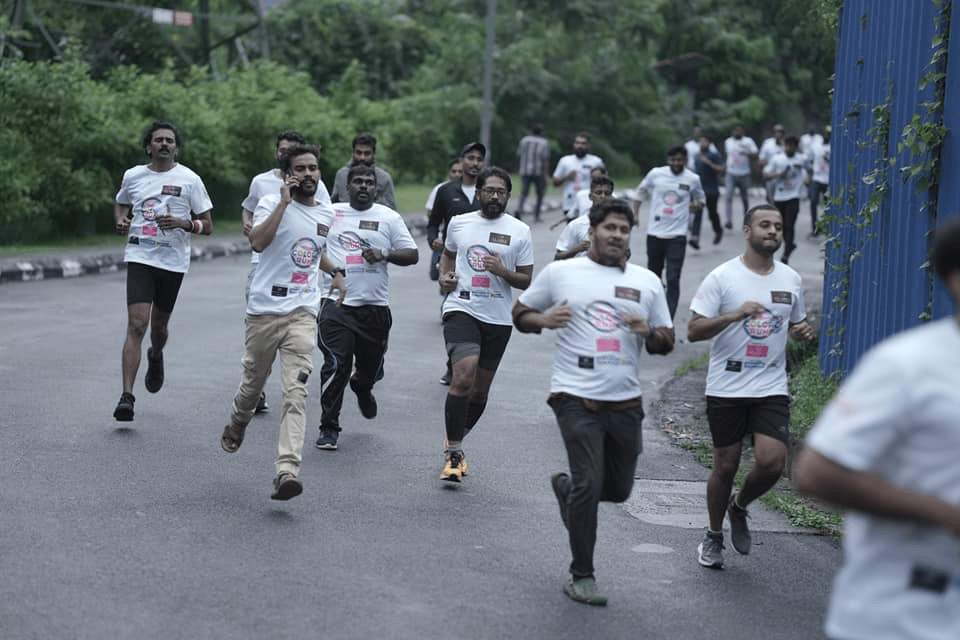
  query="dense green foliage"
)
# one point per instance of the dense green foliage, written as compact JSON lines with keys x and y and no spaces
{"x":79,"y":81}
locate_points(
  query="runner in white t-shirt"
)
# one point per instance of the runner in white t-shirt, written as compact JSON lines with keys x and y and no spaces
{"x":158,"y":206}
{"x":605,"y":311}
{"x":673,"y":191}
{"x":819,"y":177}
{"x":486,"y":255}
{"x":738,"y":150}
{"x":748,"y":305}
{"x":788,"y":170}
{"x":885,"y":449}
{"x":364,"y":238}
{"x":575,"y":238}
{"x":573,"y":170}
{"x":264,"y":184}
{"x":769,"y":148}
{"x":289,"y":230}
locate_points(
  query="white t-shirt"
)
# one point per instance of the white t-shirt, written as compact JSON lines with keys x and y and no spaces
{"x":820,"y":162}
{"x":269,"y":183}
{"x":352,"y":231}
{"x":597,"y":357}
{"x":481,"y":294}
{"x":896,"y":416}
{"x":581,"y":205}
{"x":769,"y":148}
{"x":693,"y":150}
{"x":809,"y":141}
{"x":670,"y":197}
{"x":288,"y":275}
{"x":748,"y":358}
{"x":583,"y":166}
{"x":176,"y":192}
{"x":573,"y":234}
{"x":789,"y":186}
{"x":738,"y":154}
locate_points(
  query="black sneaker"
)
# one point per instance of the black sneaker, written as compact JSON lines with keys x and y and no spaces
{"x":124,"y":410}
{"x":154,"y":378}
{"x":286,"y":486}
{"x":365,"y":400}
{"x":561,"y":489}
{"x":694,"y":243}
{"x":328,"y":439}
{"x":262,"y":406}
{"x":718,"y":237}
{"x":739,"y":532}
{"x":445,"y":378}
{"x":728,"y":225}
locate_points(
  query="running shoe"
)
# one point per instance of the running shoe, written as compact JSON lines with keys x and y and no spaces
{"x":328,"y":439}
{"x":453,"y":469}
{"x":710,"y":551}
{"x":739,"y":532}
{"x":262,"y":406}
{"x":365,"y":400}
{"x":286,"y":486}
{"x":585,"y":590}
{"x":154,"y":378}
{"x":124,"y":410}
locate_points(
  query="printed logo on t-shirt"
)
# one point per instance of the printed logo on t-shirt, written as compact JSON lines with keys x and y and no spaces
{"x":781,"y":297}
{"x":171,"y":190}
{"x":608,"y":344}
{"x":757,"y":350}
{"x":499,"y":238}
{"x":670,"y":199}
{"x":370,"y":225}
{"x":322,"y":229}
{"x":764,"y":325}
{"x":482,"y":282}
{"x":153,"y":207}
{"x":627,"y":293}
{"x":278,"y":292}
{"x":299,"y":277}
{"x":734,"y":365}
{"x":475,"y":255}
{"x":603,"y":316}
{"x":684,"y":187}
{"x":585,"y":362}
{"x":350,"y":241}
{"x":305,"y":253}
{"x":464,"y":295}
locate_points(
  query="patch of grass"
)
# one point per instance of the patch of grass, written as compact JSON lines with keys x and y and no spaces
{"x":810,"y":392}
{"x":411,"y":197}
{"x":802,"y":514}
{"x":693,"y":363}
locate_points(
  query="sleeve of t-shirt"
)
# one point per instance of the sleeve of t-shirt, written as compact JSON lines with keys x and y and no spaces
{"x":647,"y":183}
{"x":253,"y":197}
{"x":706,"y":301}
{"x":659,"y":311}
{"x":123,"y":195}
{"x":864,"y":418}
{"x":199,"y":198}
{"x":450,"y":244}
{"x":752,"y":145}
{"x":400,"y":237}
{"x":566,"y":240}
{"x":389,"y":198}
{"x":539,"y":295}
{"x":265,"y":207}
{"x":799,"y":311}
{"x":559,"y":172}
{"x":525,"y":255}
{"x":428,"y":205}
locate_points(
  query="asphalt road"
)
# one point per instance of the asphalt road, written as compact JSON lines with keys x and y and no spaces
{"x":148,"y":530}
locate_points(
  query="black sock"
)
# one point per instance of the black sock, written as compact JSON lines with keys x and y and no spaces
{"x":455,"y":416}
{"x":474,"y":411}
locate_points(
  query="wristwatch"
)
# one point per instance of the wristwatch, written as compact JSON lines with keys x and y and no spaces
{"x":385,"y":253}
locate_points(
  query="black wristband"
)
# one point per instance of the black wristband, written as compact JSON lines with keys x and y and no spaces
{"x":341,"y":271}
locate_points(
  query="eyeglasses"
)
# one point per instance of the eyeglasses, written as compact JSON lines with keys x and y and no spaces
{"x":490,"y":191}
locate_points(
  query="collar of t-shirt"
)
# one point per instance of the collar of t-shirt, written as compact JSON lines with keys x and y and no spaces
{"x":470,"y":191}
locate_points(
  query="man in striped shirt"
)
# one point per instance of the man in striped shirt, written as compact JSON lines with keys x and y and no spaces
{"x":534,"y":151}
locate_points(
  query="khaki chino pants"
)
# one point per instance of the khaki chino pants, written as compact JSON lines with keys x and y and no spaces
{"x":292,"y":336}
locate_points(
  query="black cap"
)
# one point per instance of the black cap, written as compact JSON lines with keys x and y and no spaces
{"x":471,"y":146}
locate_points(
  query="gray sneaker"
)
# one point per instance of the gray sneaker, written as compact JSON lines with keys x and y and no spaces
{"x":328,"y":439}
{"x":710,"y":551}
{"x":739,"y":532}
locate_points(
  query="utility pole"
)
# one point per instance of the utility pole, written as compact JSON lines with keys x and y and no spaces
{"x":486,"y":114}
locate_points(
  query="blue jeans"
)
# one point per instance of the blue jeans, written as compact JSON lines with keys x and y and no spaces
{"x":670,"y":251}
{"x":602,"y":448}
{"x":739,"y":182}
{"x":540,"y":183}
{"x":435,"y":265}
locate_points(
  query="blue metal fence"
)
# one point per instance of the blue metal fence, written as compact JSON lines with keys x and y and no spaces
{"x":875,"y":280}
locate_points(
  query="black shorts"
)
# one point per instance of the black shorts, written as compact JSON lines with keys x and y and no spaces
{"x":731,"y":419}
{"x":152,"y":285}
{"x":467,"y":336}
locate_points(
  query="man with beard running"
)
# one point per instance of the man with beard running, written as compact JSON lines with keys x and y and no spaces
{"x":365,"y":153}
{"x":605,"y":311}
{"x":750,"y":304}
{"x":485,"y":255}
{"x":364,"y":237}
{"x":573,"y":170}
{"x":289,"y":230}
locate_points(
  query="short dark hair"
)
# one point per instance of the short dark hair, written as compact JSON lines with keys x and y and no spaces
{"x":582,"y":134}
{"x":794,"y":140}
{"x":494,"y":172}
{"x":291,"y":136}
{"x":361,"y":170}
{"x":538,"y":129}
{"x":678,"y":150}
{"x":156,"y":126}
{"x":609,"y":206}
{"x":366,"y":139}
{"x":598,"y":180}
{"x":946,"y":249}
{"x":453,"y":162}
{"x":295,"y":151}
{"x":764,"y":206}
